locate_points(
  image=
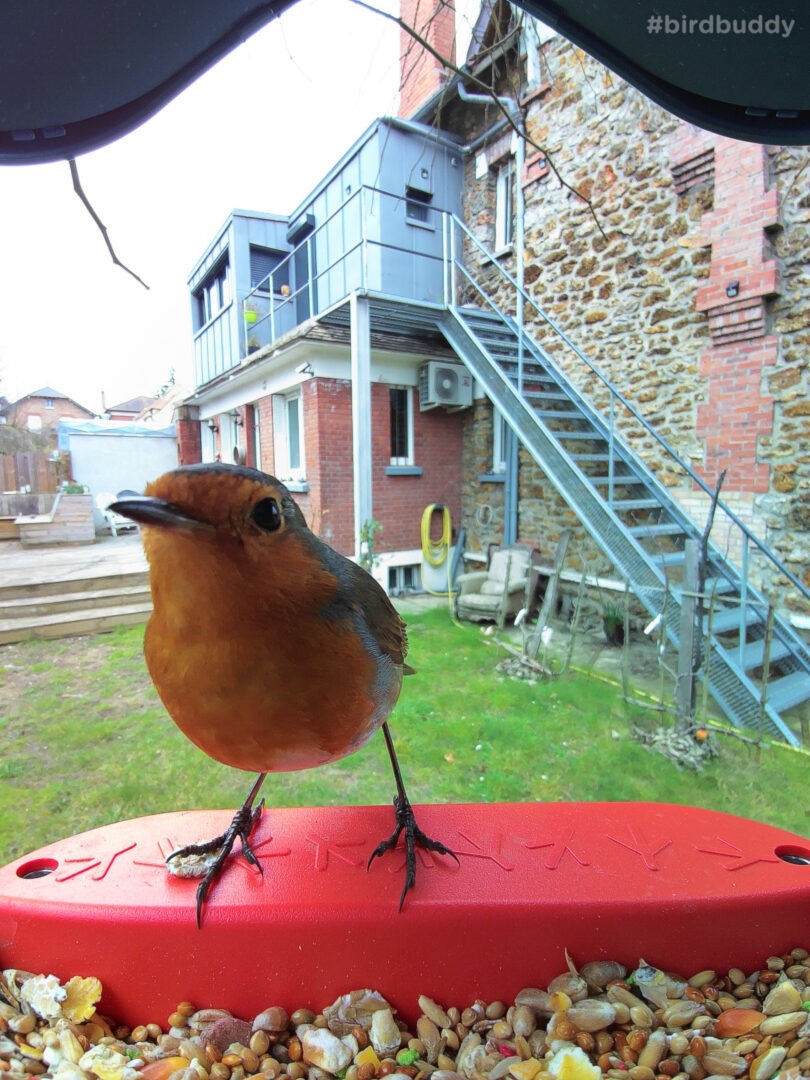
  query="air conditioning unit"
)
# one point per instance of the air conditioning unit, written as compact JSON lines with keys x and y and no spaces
{"x":450,"y":385}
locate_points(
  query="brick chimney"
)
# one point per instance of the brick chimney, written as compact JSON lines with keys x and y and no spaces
{"x":421,"y":75}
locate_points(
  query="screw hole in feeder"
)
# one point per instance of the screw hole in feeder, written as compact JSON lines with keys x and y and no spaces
{"x":37,"y":868}
{"x":797,"y":856}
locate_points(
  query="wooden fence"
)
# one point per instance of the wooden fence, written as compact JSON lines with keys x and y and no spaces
{"x":31,"y":471}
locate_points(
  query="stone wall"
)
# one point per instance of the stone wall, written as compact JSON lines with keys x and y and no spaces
{"x":637,"y":230}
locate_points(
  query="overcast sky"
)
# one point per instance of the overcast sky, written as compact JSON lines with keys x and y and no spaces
{"x":255,"y":133}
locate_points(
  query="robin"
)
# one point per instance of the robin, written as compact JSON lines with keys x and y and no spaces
{"x":270,"y":651}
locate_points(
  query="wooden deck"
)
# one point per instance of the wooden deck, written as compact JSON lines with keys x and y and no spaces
{"x":63,"y":590}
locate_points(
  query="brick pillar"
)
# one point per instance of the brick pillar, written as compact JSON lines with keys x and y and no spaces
{"x":421,"y":75}
{"x":742,"y":277}
{"x":189,"y":438}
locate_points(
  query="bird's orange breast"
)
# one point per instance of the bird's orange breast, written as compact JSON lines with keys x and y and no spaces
{"x":254,"y":661}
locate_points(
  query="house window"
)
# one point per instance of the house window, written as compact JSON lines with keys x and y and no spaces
{"x":505,"y":204}
{"x":401,"y":428}
{"x":269,"y":270}
{"x":34,"y":422}
{"x":49,"y":403}
{"x":499,"y":437}
{"x":213,"y":295}
{"x":288,"y":430}
{"x":417,"y":204}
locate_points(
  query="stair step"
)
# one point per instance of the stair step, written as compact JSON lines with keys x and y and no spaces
{"x":581,"y":433}
{"x":788,"y":691}
{"x":58,"y":603}
{"x":68,"y":585}
{"x":729,"y":620}
{"x":661,"y":528}
{"x":561,"y":414}
{"x":618,"y":480}
{"x":719,"y":586}
{"x":545,"y":395}
{"x":668,"y":558}
{"x":73,"y":623}
{"x":621,"y":505}
{"x":753,"y":652}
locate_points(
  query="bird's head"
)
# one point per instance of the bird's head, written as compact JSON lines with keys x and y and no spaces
{"x":215,"y":501}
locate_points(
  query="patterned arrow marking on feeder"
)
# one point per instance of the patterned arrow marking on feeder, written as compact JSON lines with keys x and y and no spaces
{"x":558,"y":851}
{"x":646,"y":851}
{"x":737,"y":859}
{"x":327,"y":845}
{"x":166,"y":846}
{"x":489,"y":848}
{"x":92,"y":863}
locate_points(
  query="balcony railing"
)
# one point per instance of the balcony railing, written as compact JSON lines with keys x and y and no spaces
{"x":351,"y":251}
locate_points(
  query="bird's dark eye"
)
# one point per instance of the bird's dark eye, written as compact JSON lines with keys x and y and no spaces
{"x":266,"y":514}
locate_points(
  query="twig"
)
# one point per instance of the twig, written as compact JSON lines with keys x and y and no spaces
{"x":736,"y":735}
{"x":479,"y":84}
{"x":77,"y":187}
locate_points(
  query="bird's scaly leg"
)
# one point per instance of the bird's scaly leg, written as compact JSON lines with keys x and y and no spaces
{"x":405,"y":822}
{"x":207,"y":858}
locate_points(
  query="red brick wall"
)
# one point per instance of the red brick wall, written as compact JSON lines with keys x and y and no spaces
{"x":398,"y":501}
{"x":264,"y":409}
{"x":63,"y":409}
{"x":743,"y":276}
{"x":189,"y":440}
{"x":328,"y":447}
{"x":421,"y":73}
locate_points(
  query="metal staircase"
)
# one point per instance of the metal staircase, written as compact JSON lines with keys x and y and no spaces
{"x":631,"y":515}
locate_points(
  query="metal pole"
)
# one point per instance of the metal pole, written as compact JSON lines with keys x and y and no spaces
{"x":361,"y":413}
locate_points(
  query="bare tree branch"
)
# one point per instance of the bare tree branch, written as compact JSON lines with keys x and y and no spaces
{"x":480,"y":85}
{"x":77,"y":187}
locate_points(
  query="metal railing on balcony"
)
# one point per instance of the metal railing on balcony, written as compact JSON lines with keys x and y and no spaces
{"x":354,"y":249}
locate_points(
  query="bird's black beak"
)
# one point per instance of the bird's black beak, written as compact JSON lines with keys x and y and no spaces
{"x":147,"y":510}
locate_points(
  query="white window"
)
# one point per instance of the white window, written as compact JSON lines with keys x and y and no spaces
{"x":288,"y":437}
{"x":49,"y":403}
{"x":34,"y":423}
{"x":401,"y":428}
{"x":505,"y":204}
{"x":499,"y":434}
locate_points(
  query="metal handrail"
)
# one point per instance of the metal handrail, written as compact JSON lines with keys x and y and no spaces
{"x":617,"y":395}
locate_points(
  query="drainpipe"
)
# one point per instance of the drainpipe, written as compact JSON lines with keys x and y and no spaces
{"x":512,"y":487}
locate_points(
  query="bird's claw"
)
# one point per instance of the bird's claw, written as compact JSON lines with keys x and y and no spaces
{"x":406,"y":823}
{"x":207,"y":858}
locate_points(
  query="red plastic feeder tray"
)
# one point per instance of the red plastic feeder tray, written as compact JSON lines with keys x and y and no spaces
{"x":684,"y":888}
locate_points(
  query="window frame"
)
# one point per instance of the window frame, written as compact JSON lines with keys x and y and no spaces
{"x":418,"y":205}
{"x":505,"y":204}
{"x":500,"y":434}
{"x":400,"y":460}
{"x":213,"y":295}
{"x":285,"y":470}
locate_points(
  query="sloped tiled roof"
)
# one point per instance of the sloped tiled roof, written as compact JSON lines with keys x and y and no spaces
{"x":133,"y":405}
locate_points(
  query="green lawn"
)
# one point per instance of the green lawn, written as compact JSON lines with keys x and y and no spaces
{"x":86,"y":741}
